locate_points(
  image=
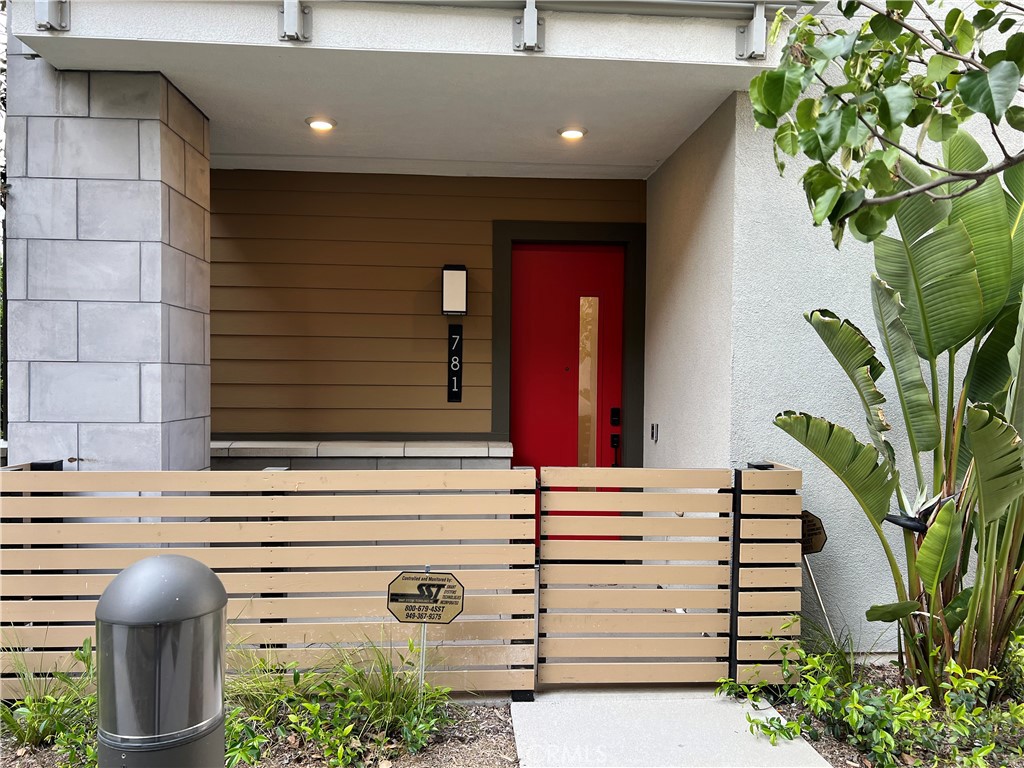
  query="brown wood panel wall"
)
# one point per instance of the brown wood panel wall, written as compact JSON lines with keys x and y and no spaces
{"x":325,"y":293}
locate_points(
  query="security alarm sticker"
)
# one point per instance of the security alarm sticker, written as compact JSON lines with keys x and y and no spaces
{"x":425,"y":598}
{"x":814,"y":536}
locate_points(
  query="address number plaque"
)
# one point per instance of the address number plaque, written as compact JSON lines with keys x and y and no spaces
{"x":455,"y":363}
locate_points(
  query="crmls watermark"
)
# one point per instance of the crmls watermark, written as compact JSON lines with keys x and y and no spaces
{"x":562,"y":754}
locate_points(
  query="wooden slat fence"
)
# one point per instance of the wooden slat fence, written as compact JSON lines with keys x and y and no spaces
{"x":306,"y":558}
{"x":767,"y":571}
{"x":645,"y":575}
{"x":634,"y":586}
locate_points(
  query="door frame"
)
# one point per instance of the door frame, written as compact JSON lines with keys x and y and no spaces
{"x":633,"y":238}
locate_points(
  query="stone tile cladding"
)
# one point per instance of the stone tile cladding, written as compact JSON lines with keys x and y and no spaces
{"x":108,"y":270}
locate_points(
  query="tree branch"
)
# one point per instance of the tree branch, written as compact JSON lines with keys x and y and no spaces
{"x":882,"y":139}
{"x":973,"y":63}
{"x":941,"y":30}
{"x":976,"y":177}
{"x":974,"y":184}
{"x":999,"y":141}
{"x":953,"y":195}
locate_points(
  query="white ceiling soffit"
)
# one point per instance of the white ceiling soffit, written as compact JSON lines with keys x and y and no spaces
{"x":419,"y":90}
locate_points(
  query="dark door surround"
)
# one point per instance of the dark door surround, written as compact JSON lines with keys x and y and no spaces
{"x":633,"y":237}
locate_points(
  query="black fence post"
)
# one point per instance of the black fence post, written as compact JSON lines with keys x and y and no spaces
{"x":734,"y":573}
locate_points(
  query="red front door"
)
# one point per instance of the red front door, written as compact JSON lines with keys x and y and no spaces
{"x":566,"y":357}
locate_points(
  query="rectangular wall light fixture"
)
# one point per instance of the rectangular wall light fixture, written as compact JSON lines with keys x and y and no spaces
{"x":454,"y":289}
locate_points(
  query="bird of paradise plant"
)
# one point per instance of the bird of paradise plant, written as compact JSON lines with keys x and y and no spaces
{"x":947,"y":292}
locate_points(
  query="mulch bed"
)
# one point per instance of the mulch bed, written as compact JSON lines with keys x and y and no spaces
{"x":480,"y":737}
{"x":13,"y":756}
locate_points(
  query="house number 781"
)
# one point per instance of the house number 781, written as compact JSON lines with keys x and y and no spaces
{"x":454,"y":363}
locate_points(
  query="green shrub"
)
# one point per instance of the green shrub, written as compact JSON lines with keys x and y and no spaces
{"x":56,"y":709}
{"x":890,"y":724}
{"x":352,"y":706}
{"x":244,"y":736}
{"x":388,"y":698}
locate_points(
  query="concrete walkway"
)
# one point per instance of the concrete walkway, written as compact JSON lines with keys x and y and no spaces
{"x":632,"y":728}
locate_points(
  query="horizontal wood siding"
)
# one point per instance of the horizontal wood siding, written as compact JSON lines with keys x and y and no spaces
{"x":325,"y":294}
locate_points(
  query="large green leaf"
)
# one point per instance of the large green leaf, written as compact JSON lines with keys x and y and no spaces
{"x":938,"y":283}
{"x":957,"y":608}
{"x":918,"y":214}
{"x":829,"y":47}
{"x":896,"y":103}
{"x":998,"y":457}
{"x":1017,"y":271}
{"x":1014,"y":179}
{"x":990,"y":92}
{"x":855,"y":464}
{"x":964,"y":457}
{"x":984,"y":216}
{"x":892,"y":611}
{"x":854,"y":353}
{"x":941,"y":547}
{"x":823,"y":141}
{"x":940,"y":67}
{"x":780,"y":89}
{"x":992,"y":368}
{"x":915,"y":400}
{"x":1015,"y":398}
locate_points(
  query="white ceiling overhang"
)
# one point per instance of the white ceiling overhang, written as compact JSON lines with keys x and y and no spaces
{"x":422,"y":89}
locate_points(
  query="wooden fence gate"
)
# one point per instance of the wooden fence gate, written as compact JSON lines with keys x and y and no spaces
{"x":666,"y":575}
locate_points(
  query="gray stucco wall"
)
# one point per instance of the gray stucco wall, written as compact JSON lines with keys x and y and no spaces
{"x":733,"y":262}
{"x":689,"y":296}
{"x":783,"y":267}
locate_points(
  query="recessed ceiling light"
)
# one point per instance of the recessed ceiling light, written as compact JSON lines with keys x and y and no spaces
{"x":572,"y":133}
{"x":322,"y":124}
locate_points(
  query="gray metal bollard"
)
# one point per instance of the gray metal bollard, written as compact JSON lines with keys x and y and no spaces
{"x":160,"y":666}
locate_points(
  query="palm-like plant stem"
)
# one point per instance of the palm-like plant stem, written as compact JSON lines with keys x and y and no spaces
{"x":958,"y":420}
{"x":949,"y":459}
{"x":939,"y":452}
{"x":914,"y":588}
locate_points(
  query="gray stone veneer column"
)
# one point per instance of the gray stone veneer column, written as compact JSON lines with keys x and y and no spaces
{"x":108,"y":270}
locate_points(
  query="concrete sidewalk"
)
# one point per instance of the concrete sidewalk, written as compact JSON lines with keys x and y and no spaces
{"x":632,"y":728}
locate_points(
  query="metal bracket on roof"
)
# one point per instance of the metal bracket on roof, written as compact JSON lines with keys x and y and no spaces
{"x":295,"y":22}
{"x":752,"y":39}
{"x":53,"y":15}
{"x":528,"y":29}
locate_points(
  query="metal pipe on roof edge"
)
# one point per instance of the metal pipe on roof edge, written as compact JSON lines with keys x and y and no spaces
{"x":707,"y":8}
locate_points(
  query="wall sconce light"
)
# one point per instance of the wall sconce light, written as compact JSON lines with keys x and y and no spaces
{"x":454,"y":289}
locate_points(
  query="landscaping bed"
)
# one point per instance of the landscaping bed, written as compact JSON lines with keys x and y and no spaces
{"x":867,"y":716}
{"x":359,"y":707}
{"x":478,"y":736}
